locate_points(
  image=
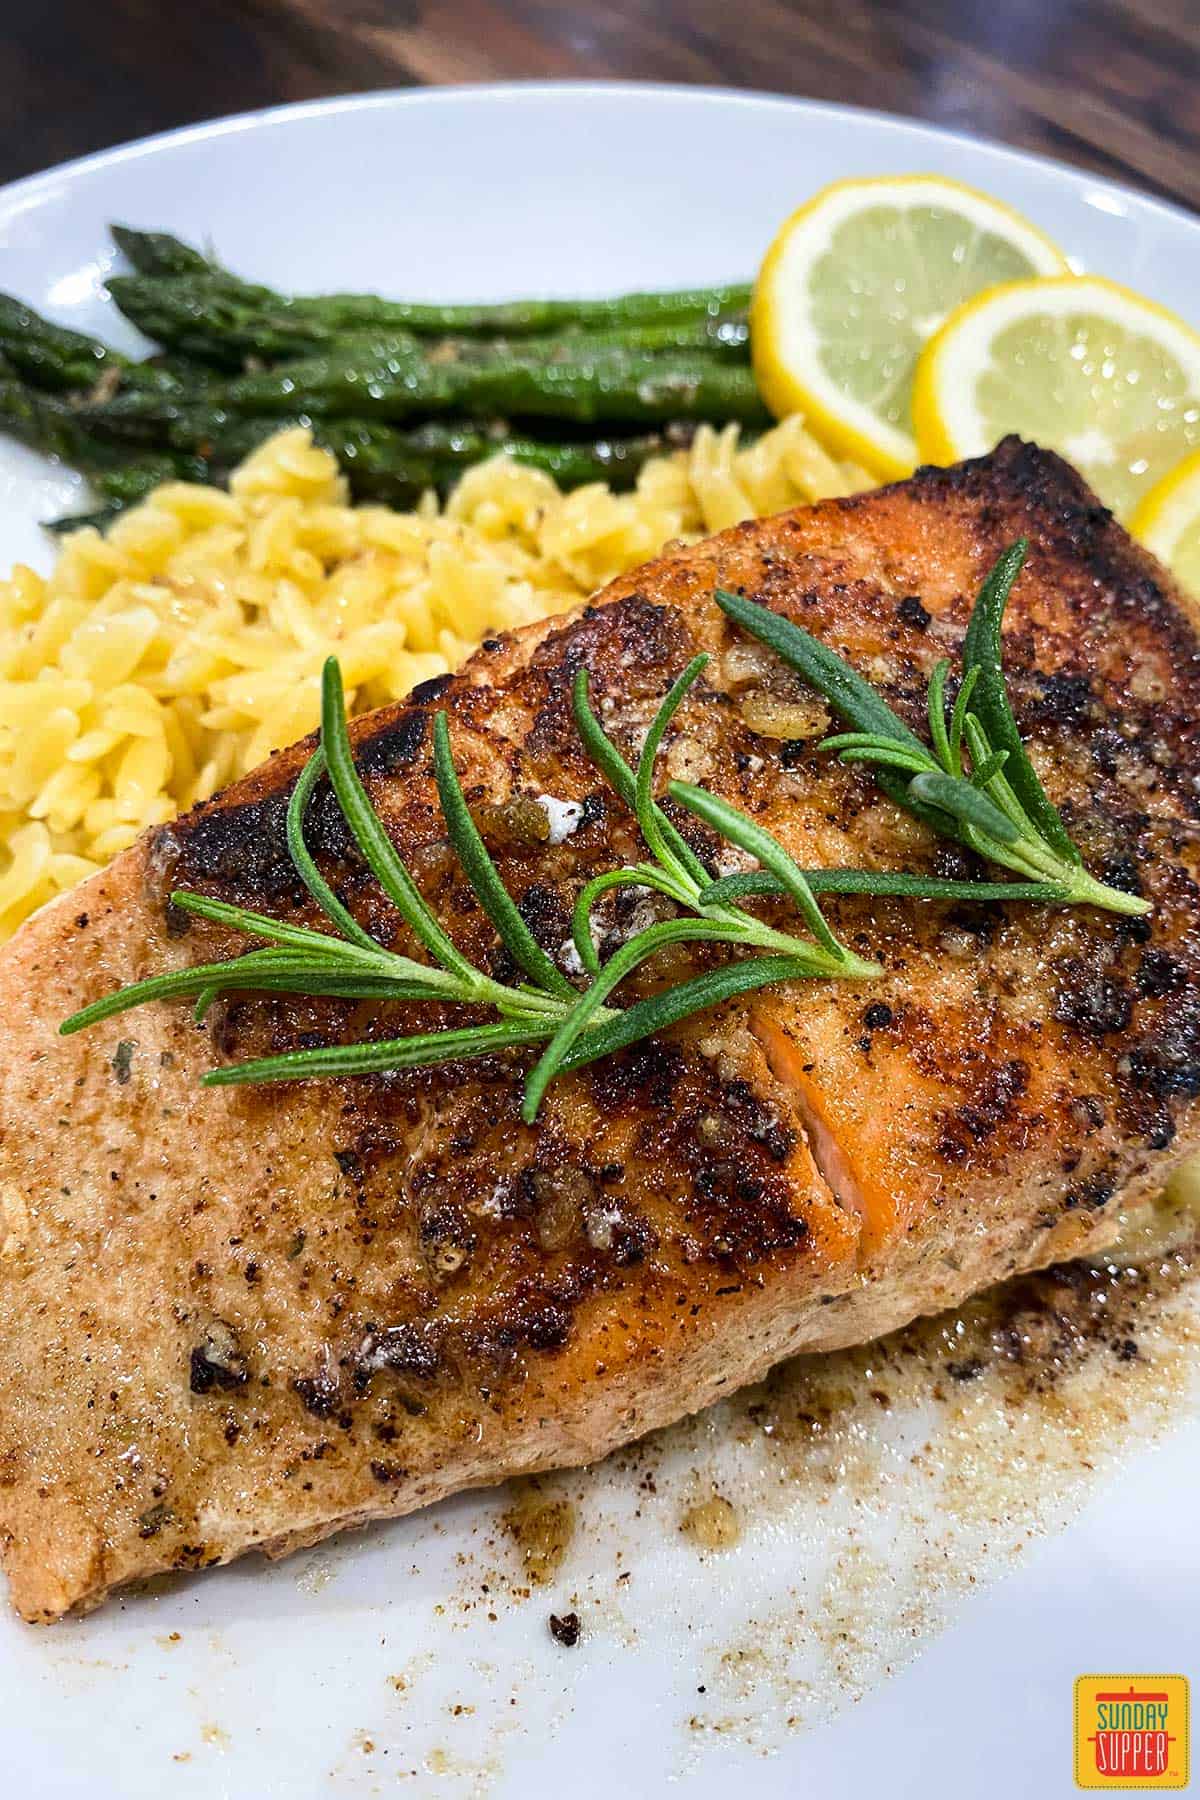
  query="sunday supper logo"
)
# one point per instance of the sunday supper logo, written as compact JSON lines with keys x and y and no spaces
{"x":1131,"y":1731}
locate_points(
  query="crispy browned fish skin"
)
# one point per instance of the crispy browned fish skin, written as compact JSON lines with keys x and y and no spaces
{"x":247,"y":1318}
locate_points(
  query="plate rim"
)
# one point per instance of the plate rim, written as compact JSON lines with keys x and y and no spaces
{"x":26,"y":188}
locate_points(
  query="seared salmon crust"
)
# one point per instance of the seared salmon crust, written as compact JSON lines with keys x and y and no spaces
{"x":247,"y":1318}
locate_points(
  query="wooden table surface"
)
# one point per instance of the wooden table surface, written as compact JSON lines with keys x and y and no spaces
{"x":1111,"y":84}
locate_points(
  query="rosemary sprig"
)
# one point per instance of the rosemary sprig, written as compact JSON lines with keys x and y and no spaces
{"x":351,"y":965}
{"x":996,"y":807}
{"x":577,"y":1027}
{"x":678,"y":872}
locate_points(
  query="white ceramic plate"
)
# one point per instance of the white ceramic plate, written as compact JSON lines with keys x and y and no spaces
{"x":407,"y":1659}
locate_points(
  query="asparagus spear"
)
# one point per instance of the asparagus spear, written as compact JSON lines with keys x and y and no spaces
{"x":207,"y":321}
{"x":390,"y":380}
{"x":59,"y":360}
{"x":395,"y":467}
{"x":384,"y":462}
{"x":156,"y":254}
{"x":395,"y":382}
{"x":45,"y":423}
{"x":518,"y":318}
{"x":214,"y":321}
{"x":125,"y":486}
{"x":50,"y":355}
{"x":134,"y":480}
{"x":159,"y":253}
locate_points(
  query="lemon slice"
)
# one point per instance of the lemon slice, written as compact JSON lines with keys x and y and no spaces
{"x":853,"y":286}
{"x":1078,"y":364}
{"x":1168,"y":522}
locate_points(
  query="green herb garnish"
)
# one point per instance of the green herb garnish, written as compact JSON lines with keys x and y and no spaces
{"x":576,"y":1026}
{"x":996,"y":806}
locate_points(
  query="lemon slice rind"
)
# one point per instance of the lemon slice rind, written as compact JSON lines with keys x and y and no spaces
{"x":1167,"y":522}
{"x":1170,"y":507}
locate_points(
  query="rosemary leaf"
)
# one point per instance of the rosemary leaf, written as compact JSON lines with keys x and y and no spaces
{"x":623,"y":781}
{"x":855,"y":699}
{"x":958,"y":719}
{"x":626,"y":959}
{"x":371,"y":838}
{"x":306,"y":868}
{"x":277,"y":971}
{"x":936,"y":708}
{"x":765,"y":849}
{"x":884,"y":756}
{"x":659,"y":1011}
{"x":599,"y":745}
{"x":885,"y":883}
{"x":581,"y":932}
{"x":964,"y":803}
{"x":483,"y":875}
{"x":279,"y":931}
{"x":987,"y":769}
{"x":870,"y":740}
{"x":175,"y":983}
{"x":340,"y":984}
{"x":306,"y":979}
{"x":648,"y":814}
{"x":380,"y":1058}
{"x":325,"y":951}
{"x":982,"y":651}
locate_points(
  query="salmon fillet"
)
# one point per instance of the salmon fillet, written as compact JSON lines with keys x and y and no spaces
{"x":246,"y":1318}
